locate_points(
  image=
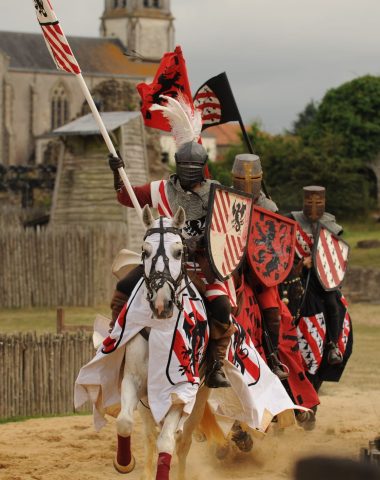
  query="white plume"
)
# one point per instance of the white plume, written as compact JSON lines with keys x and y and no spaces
{"x":185,"y":123}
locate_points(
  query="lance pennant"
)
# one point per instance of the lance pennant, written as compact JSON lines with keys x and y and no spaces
{"x":55,"y":39}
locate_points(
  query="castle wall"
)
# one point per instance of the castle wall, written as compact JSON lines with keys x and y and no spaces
{"x":28,"y":107}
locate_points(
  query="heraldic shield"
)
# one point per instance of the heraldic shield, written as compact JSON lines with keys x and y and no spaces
{"x":227,"y":228}
{"x":271,"y":246}
{"x":330,"y":258}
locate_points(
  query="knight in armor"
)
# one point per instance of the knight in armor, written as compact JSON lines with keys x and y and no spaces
{"x":247,"y":175}
{"x":313,"y":212}
{"x":190,"y":189}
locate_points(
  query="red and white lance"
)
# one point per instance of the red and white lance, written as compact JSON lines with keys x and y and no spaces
{"x":64,"y":59}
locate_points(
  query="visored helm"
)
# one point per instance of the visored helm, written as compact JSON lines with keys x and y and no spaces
{"x":247,"y":173}
{"x":314,"y":202}
{"x":190,"y":161}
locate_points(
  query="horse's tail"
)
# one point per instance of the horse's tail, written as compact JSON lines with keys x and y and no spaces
{"x":210,"y":427}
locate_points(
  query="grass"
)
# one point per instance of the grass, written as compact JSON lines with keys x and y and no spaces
{"x":43,"y":320}
{"x":363,"y":257}
{"x":22,"y":419}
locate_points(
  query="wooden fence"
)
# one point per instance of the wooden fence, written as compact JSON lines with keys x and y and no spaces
{"x":61,"y":266}
{"x":38,"y":372}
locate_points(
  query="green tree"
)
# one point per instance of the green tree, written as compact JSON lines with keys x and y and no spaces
{"x":351,"y":113}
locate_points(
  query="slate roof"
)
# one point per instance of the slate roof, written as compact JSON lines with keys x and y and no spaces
{"x":87,"y":125}
{"x":28,"y":52}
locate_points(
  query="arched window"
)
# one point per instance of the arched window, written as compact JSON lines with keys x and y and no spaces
{"x":156,"y":3}
{"x":59,"y":107}
{"x":115,"y":3}
{"x":124,"y":3}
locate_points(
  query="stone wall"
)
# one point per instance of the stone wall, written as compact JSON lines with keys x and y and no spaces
{"x":362,"y":285}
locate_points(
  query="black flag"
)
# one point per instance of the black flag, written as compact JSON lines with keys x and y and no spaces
{"x":216,"y":102}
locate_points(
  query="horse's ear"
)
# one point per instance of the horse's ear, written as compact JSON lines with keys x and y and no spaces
{"x":179,"y":218}
{"x":147,"y":217}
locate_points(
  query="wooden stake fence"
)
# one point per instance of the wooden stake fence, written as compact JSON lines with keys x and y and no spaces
{"x":38,"y":372}
{"x":62,"y":266}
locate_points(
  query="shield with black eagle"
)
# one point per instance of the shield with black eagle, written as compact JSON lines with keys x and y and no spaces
{"x":227,"y":228}
{"x":271,"y":246}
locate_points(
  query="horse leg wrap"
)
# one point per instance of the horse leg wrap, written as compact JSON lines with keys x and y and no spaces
{"x":163,"y":466}
{"x":124,"y":461}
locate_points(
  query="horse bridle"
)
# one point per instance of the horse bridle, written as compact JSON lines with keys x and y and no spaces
{"x":156,"y":280}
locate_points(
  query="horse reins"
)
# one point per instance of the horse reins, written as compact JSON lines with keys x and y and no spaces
{"x":156,"y":280}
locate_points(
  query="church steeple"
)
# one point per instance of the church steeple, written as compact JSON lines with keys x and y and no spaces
{"x":145,"y":26}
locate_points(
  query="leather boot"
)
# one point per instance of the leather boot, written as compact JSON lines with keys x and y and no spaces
{"x":334,"y":357}
{"x":220,"y":336}
{"x":277,"y":367}
{"x":118,"y":301}
{"x":272,"y":320}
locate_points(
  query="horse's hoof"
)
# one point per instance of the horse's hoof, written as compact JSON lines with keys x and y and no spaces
{"x":222,"y":451}
{"x":306,"y":420}
{"x":124,"y":469}
{"x":243,"y":441}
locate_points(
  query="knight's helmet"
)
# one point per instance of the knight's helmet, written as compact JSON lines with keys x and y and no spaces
{"x":186,"y":126}
{"x":191,"y":159}
{"x":314,"y":202}
{"x":247,"y":174}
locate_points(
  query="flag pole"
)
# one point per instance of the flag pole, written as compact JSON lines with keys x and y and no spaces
{"x":245,"y":134}
{"x":65,"y":60}
{"x":109,"y":143}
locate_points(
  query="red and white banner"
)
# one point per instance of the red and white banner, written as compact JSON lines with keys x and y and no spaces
{"x":55,"y":38}
{"x":330,"y":258}
{"x":227,"y":229}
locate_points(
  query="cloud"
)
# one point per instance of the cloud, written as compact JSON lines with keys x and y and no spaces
{"x":278,"y":54}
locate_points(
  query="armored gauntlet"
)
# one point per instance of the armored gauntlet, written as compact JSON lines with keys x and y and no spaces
{"x":115,"y":163}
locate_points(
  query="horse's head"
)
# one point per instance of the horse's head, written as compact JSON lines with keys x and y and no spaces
{"x":162,"y":254}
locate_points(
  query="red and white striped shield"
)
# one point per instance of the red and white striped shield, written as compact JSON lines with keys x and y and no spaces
{"x":330,"y":258}
{"x":55,"y":38}
{"x":227,"y":229}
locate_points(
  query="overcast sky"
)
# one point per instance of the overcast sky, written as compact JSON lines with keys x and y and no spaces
{"x":278,"y":54}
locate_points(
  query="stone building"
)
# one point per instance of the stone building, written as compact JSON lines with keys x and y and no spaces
{"x":36,"y":98}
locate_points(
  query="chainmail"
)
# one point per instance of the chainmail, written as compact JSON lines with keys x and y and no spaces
{"x":266,"y":203}
{"x":327,"y":219}
{"x":195,"y":204}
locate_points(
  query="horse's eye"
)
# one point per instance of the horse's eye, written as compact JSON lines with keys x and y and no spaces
{"x":147,"y":250}
{"x":177,"y":252}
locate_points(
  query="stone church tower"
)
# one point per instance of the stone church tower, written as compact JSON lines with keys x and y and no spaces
{"x":143,"y":26}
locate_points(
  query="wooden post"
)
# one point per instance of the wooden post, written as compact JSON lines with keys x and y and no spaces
{"x":60,"y":320}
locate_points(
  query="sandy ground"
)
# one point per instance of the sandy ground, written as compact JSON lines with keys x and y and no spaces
{"x":70,"y":449}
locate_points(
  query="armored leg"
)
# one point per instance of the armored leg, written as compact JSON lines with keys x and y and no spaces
{"x":334,"y":356}
{"x":272,"y":320}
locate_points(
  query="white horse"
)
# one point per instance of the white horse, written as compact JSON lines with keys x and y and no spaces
{"x":165,"y":283}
